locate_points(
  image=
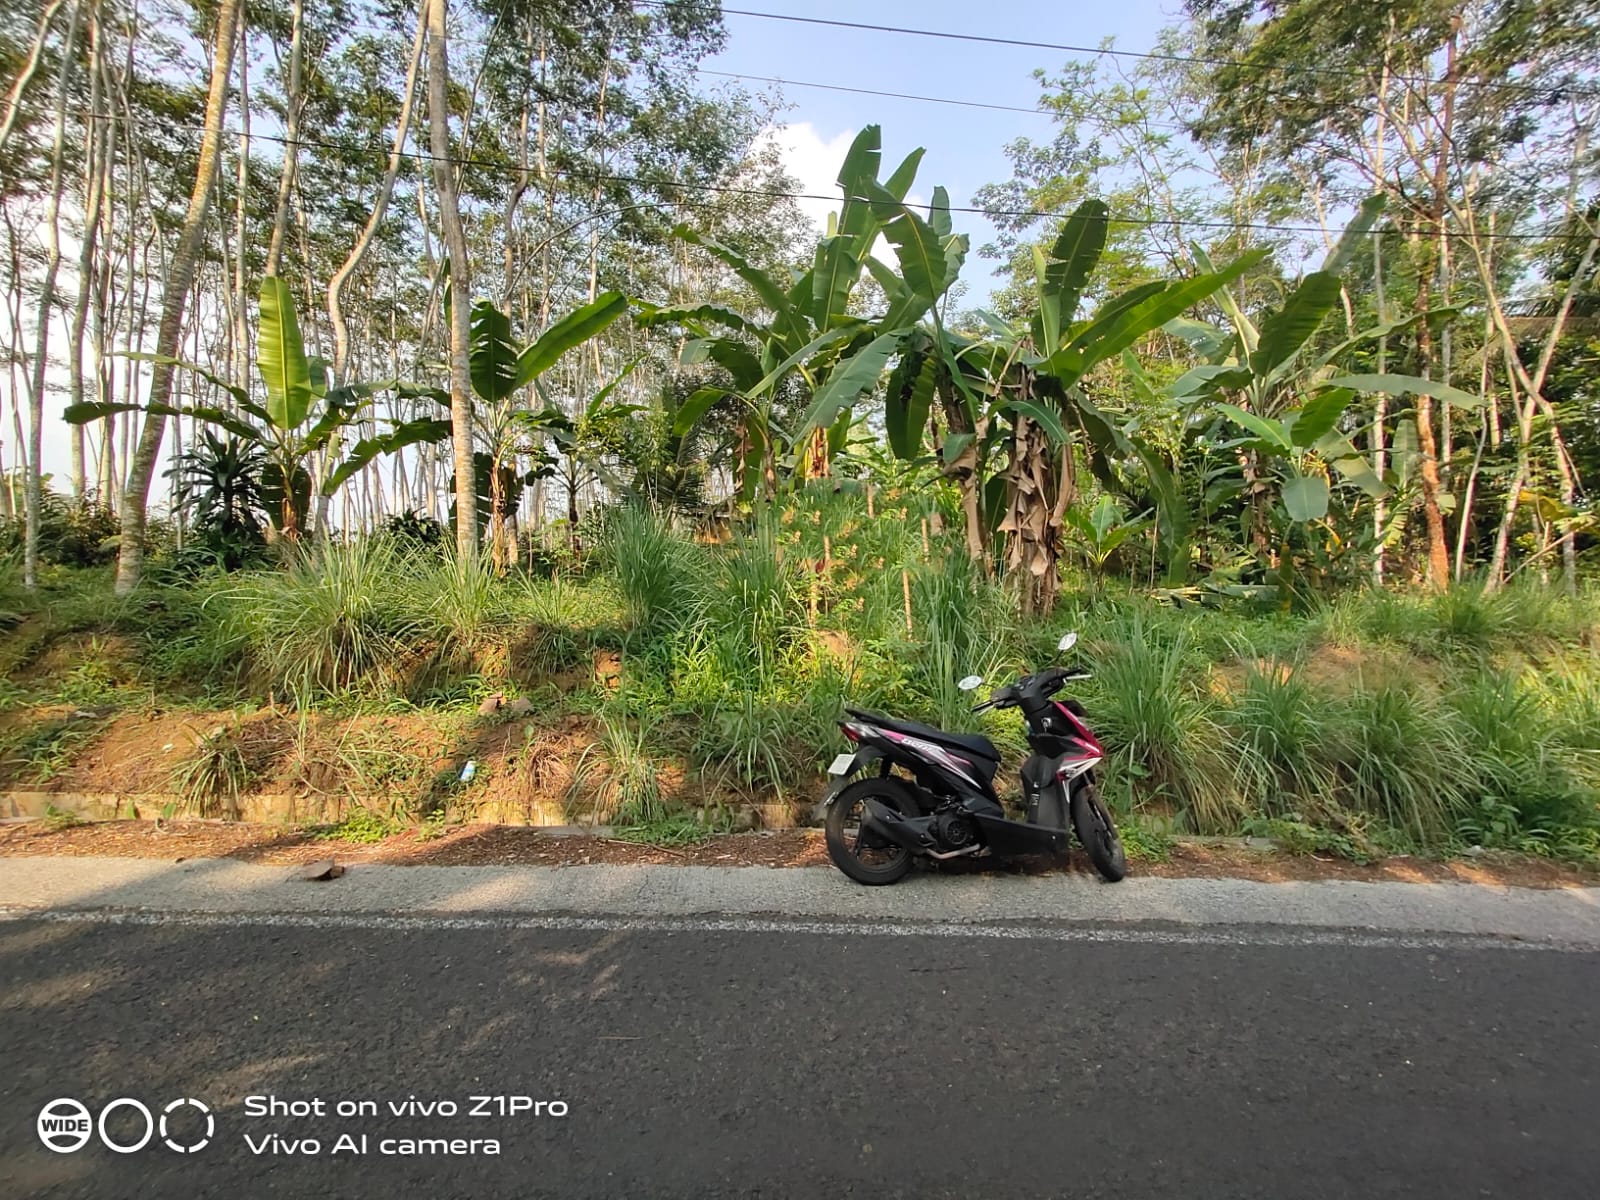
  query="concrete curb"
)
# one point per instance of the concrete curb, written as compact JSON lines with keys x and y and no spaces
{"x":1569,"y":915}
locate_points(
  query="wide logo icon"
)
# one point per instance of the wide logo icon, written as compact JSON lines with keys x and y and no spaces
{"x":65,"y":1126}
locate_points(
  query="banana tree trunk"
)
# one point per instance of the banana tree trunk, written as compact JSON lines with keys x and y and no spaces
{"x":180,"y":276}
{"x":1037,"y":495}
{"x":963,"y":471}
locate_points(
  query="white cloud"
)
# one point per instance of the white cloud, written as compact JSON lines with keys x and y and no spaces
{"x":814,"y":160}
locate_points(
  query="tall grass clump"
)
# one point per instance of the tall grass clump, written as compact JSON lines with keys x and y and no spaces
{"x":960,"y":627}
{"x":754,"y":608}
{"x":1377,"y":615}
{"x":630,"y":791}
{"x":1280,"y":725}
{"x":1400,"y":759}
{"x":1160,"y":727}
{"x":458,"y":602}
{"x":1466,"y":617}
{"x":1528,"y":782}
{"x":657,"y":570}
{"x":1532,"y":609}
{"x":326,"y":622}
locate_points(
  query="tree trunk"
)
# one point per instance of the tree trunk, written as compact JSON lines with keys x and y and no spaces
{"x":341,"y":332}
{"x":460,"y":279}
{"x":34,"y":494}
{"x":294,"y":102}
{"x":94,"y":195}
{"x":19,"y":85}
{"x":1438,"y":552}
{"x":241,"y":303}
{"x":180,"y":275}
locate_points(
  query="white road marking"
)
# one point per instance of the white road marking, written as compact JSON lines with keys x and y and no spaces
{"x":1103,"y":934}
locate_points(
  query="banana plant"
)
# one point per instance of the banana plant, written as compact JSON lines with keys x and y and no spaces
{"x":500,"y":372}
{"x":806,"y":339}
{"x":1018,"y":387}
{"x":1100,"y":531}
{"x":1290,"y":401}
{"x":301,"y":419}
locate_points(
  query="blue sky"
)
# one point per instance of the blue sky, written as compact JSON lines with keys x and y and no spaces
{"x":964,"y":145}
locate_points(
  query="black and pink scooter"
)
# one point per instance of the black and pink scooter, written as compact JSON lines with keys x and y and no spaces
{"x":909,"y":790}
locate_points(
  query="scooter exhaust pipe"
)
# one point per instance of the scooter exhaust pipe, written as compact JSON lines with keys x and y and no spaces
{"x":913,"y":833}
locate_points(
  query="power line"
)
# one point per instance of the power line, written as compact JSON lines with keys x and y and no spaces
{"x":1176,"y":126}
{"x":1148,"y":222}
{"x":835,"y":87}
{"x":1148,"y":55}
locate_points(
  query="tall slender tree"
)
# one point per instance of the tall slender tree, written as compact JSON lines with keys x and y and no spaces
{"x":175,"y":295}
{"x":455,"y":242}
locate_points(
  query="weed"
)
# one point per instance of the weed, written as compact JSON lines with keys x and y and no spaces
{"x":432,"y":827}
{"x":676,"y":829}
{"x":12,"y":695}
{"x":215,"y":775}
{"x":41,"y":752}
{"x":361,"y":826}
{"x":58,"y":820}
{"x":1145,"y":841}
{"x":1298,"y":837}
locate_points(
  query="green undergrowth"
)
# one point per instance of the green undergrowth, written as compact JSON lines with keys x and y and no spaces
{"x":1372,"y":722}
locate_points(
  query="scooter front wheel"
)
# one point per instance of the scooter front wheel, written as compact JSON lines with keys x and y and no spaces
{"x":853,"y":847}
{"x":1098,"y":834}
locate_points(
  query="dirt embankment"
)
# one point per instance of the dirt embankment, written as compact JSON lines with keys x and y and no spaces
{"x":536,"y":769}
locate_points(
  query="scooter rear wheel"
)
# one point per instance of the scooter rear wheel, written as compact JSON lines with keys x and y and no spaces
{"x":853,"y":847}
{"x":1098,"y":834}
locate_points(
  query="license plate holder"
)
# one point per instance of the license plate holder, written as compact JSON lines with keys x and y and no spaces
{"x":840,"y":766}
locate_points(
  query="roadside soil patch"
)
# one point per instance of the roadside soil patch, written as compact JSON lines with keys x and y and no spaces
{"x":501,"y":845}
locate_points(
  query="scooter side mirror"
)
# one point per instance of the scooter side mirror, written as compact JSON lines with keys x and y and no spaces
{"x":970,"y":683}
{"x":1067,"y":642}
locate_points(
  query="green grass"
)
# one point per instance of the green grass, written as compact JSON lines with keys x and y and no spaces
{"x":361,"y":826}
{"x":38,"y":752}
{"x":676,"y":829}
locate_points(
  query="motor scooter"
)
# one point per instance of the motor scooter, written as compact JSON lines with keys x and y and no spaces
{"x":909,"y":790}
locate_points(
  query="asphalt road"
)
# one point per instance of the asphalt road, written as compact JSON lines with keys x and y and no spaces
{"x":715,"y":1062}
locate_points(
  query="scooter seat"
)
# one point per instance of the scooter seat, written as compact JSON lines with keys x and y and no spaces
{"x":973,"y":743}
